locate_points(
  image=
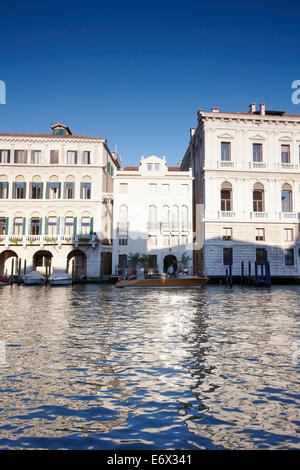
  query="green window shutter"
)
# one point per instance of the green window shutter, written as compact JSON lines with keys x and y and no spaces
{"x":41,"y":226}
{"x":47,"y":190}
{"x":24,"y":226}
{"x":8,"y":157}
{"x":73,"y":190}
{"x":7,"y":191}
{"x":42,"y":191}
{"x":24,"y":191}
{"x":29,"y":222}
{"x":15,"y":156}
{"x":76,"y":157}
{"x":92,"y":226}
{"x":75,"y":226}
{"x":46,"y":225}
{"x":81,"y":190}
{"x":6,"y":226}
{"x":59,"y":190}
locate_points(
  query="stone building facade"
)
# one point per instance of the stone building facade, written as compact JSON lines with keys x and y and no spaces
{"x":56,"y":203}
{"x":246,"y":205}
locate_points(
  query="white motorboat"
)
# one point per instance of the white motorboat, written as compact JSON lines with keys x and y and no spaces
{"x":34,"y":277}
{"x":59,"y":279}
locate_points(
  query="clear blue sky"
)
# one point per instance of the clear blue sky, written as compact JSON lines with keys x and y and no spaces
{"x":137,"y":72}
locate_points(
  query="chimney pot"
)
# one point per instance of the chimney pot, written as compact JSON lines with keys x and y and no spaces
{"x":215,"y":110}
{"x":252,"y":108}
{"x":262,"y":109}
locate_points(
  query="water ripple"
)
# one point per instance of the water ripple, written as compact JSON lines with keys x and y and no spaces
{"x":93,"y":367}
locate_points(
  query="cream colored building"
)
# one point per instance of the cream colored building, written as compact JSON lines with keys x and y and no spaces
{"x":152,"y":214}
{"x":56,"y":203}
{"x":246,"y":201}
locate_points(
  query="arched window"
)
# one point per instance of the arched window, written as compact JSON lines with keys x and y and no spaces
{"x":226,"y":196}
{"x":184,"y":217}
{"x":165,"y":216}
{"x":286,"y":198}
{"x":152,"y":217}
{"x":3,"y":187}
{"x":175,"y":217}
{"x":258,"y":198}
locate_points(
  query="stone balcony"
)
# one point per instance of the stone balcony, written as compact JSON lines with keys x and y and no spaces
{"x":41,"y":240}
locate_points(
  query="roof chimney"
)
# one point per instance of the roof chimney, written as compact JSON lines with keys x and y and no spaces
{"x":192,"y":132}
{"x":215,"y":110}
{"x":252,"y":108}
{"x":262,"y":110}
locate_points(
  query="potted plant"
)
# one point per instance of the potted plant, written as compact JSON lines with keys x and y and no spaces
{"x":133,"y":260}
{"x":144,"y":262}
{"x":184,"y":261}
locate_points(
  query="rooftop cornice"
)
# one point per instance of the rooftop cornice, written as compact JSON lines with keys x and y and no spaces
{"x":295,"y":118}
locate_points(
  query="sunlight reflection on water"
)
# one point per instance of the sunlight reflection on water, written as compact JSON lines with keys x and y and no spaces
{"x":92,"y":366}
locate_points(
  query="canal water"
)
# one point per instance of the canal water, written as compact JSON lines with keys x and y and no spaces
{"x":94,"y":367}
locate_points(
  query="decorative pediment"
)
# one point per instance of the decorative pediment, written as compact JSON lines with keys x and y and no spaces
{"x":226,"y":136}
{"x":257,"y":137}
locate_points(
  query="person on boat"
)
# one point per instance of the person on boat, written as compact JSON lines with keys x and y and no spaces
{"x":170,"y":271}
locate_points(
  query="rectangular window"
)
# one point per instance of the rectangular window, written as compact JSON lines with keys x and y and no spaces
{"x":261,"y":255}
{"x":4,"y":156}
{"x":227,"y":256}
{"x":258,"y":200}
{"x":165,"y":188}
{"x":86,"y":190}
{"x":286,"y":201}
{"x":166,"y":240}
{"x":123,"y":188}
{"x":71,"y":157}
{"x":53,"y":157}
{"x":288,"y":235}
{"x":259,"y":234}
{"x":36,"y":190}
{"x":52,"y":225}
{"x":184,"y":188}
{"x":257,"y":153}
{"x":2,"y":225}
{"x":36,"y":157}
{"x":152,"y":240}
{"x":69,"y":225}
{"x":175,"y":240}
{"x":152,"y":188}
{"x":184,"y":239}
{"x":4,"y":190}
{"x":69,"y":190}
{"x":86,"y":225}
{"x":227,"y":233}
{"x":54,"y":190}
{"x":285,"y":154}
{"x":18,"y":226}
{"x":226,"y":200}
{"x":156,"y":166}
{"x":35,"y":226}
{"x":20,"y":190}
{"x":225,"y":151}
{"x":289,"y":257}
{"x":86,"y":158}
{"x":149,"y":166}
{"x":123,"y":240}
{"x":20,"y":156}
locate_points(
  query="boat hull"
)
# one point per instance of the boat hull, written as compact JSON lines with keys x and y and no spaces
{"x":189,"y":282}
{"x":60,"y":282}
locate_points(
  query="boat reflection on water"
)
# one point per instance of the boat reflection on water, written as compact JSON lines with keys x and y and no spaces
{"x":163,"y":281}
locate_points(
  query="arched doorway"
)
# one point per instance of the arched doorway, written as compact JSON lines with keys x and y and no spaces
{"x":42,"y":261}
{"x":168,"y":260}
{"x":8,"y":263}
{"x":76,"y":261}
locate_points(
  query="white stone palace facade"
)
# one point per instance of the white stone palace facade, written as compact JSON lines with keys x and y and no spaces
{"x":56,"y":203}
{"x":246,"y":190}
{"x":152,"y":215}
